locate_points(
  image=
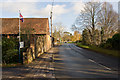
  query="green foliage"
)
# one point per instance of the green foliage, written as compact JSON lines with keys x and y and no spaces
{"x":85,"y":37}
{"x":112,"y":43}
{"x":100,"y":50}
{"x":81,"y":45}
{"x":9,"y":50}
{"x":116,"y":41}
{"x":67,"y":36}
{"x":76,"y":36}
{"x":107,"y":46}
{"x":10,"y":55}
{"x":0,"y":43}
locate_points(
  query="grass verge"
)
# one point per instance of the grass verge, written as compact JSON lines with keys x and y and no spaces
{"x":71,"y":42}
{"x":11,"y":65}
{"x":101,"y":50}
{"x":0,"y":43}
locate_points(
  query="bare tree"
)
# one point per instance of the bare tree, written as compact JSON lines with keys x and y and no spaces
{"x":88,"y":18}
{"x":75,"y":28}
{"x":108,"y":21}
{"x":58,"y":29}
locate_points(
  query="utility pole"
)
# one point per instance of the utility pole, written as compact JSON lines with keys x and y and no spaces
{"x":51,"y":18}
{"x":51,"y":29}
{"x":51,"y":24}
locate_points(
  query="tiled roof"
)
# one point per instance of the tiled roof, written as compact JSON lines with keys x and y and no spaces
{"x":30,"y":25}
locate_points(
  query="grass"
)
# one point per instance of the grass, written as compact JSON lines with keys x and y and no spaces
{"x":83,"y":46}
{"x":71,"y":42}
{"x":101,"y":50}
{"x":11,"y":65}
{"x":0,"y":43}
{"x":59,"y":43}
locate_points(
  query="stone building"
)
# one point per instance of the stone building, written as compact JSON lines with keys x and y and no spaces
{"x":37,"y":31}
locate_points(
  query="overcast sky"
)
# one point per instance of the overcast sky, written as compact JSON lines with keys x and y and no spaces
{"x":64,"y":12}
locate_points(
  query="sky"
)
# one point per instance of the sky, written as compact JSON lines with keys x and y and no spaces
{"x":64,"y":12}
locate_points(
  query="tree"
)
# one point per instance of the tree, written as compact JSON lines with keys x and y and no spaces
{"x":58,"y":29}
{"x":76,"y":36}
{"x":108,"y":21}
{"x":88,"y":18}
{"x":97,"y":37}
{"x":86,"y":37}
{"x":118,"y":26}
{"x":67,"y":36}
{"x":75,"y":28}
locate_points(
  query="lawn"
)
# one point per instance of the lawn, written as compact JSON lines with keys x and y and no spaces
{"x":101,"y":50}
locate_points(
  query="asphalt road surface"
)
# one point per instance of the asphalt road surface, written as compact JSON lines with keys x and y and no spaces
{"x":74,"y":62}
{"x":70,"y":63}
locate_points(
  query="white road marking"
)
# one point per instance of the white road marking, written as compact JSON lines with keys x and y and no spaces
{"x":99,"y":64}
{"x":96,"y":62}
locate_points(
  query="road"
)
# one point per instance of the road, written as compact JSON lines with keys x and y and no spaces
{"x":74,"y":62}
{"x":69,"y":61}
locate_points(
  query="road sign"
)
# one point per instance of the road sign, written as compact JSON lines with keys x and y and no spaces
{"x":21,"y":44}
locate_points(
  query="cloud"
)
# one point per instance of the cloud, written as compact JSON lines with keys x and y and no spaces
{"x":57,"y":10}
{"x":29,"y":9}
{"x":57,"y":0}
{"x":20,"y":1}
{"x":77,"y":7}
{"x":13,"y":8}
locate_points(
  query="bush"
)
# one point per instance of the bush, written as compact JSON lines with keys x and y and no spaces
{"x":78,"y":41}
{"x":112,"y":43}
{"x":11,"y":56}
{"x":116,"y":41}
{"x":107,"y":46}
{"x":9,"y":50}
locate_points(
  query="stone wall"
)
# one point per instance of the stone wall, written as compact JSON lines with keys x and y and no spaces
{"x":41,"y":44}
{"x":48,"y":43}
